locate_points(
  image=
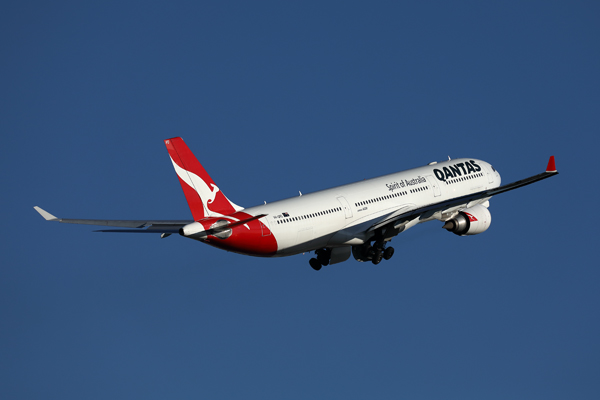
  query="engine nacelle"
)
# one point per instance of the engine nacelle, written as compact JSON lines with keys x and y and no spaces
{"x":470,"y":221}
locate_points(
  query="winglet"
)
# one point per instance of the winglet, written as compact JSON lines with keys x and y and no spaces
{"x":47,"y":216}
{"x":551,"y":166}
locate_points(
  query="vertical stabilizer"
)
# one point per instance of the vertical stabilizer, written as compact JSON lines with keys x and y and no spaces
{"x":202,"y":194}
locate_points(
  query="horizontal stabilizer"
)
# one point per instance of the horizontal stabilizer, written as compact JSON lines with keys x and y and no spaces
{"x":244,"y":221}
{"x":196,"y":229}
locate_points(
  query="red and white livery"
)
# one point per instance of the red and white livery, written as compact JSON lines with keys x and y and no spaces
{"x":357,"y":219}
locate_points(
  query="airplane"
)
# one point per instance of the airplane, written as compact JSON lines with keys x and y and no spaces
{"x":357,"y":219}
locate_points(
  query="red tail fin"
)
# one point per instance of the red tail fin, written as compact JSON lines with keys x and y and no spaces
{"x":203,"y":196}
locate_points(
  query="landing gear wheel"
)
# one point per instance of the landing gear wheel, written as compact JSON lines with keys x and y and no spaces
{"x":315,"y":264}
{"x":377,"y":257}
{"x":370,"y":253}
{"x":323,"y":256}
{"x":388,"y":253}
{"x":322,"y":260}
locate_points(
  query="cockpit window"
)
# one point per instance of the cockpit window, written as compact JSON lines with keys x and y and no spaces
{"x":493,"y":169}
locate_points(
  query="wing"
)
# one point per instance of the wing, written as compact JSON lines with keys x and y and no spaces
{"x":140,"y":226}
{"x":398,"y":219}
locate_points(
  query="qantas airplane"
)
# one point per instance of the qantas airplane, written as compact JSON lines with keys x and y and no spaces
{"x":357,"y":219}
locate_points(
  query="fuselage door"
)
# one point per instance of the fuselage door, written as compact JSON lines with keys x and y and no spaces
{"x":436,"y":189}
{"x":345,"y":206}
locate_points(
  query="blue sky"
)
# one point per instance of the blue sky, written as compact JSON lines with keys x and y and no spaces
{"x":273,"y":98}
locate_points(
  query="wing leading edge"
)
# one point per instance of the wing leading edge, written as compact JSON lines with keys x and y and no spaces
{"x":485,"y":194}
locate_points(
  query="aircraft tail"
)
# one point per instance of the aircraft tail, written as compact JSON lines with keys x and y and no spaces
{"x":203,"y":196}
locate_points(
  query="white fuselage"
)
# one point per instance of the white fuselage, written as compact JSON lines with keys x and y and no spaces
{"x":341,"y":216}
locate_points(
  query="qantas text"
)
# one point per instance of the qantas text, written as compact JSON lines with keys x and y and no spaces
{"x":455,"y":170}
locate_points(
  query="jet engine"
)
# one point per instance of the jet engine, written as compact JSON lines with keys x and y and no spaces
{"x":470,"y":221}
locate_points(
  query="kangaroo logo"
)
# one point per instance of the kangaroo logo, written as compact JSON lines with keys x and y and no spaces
{"x":206,"y":193}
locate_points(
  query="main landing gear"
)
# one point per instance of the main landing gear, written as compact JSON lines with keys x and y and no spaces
{"x":378,"y":252}
{"x":374,"y":253}
{"x":323,"y":257}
